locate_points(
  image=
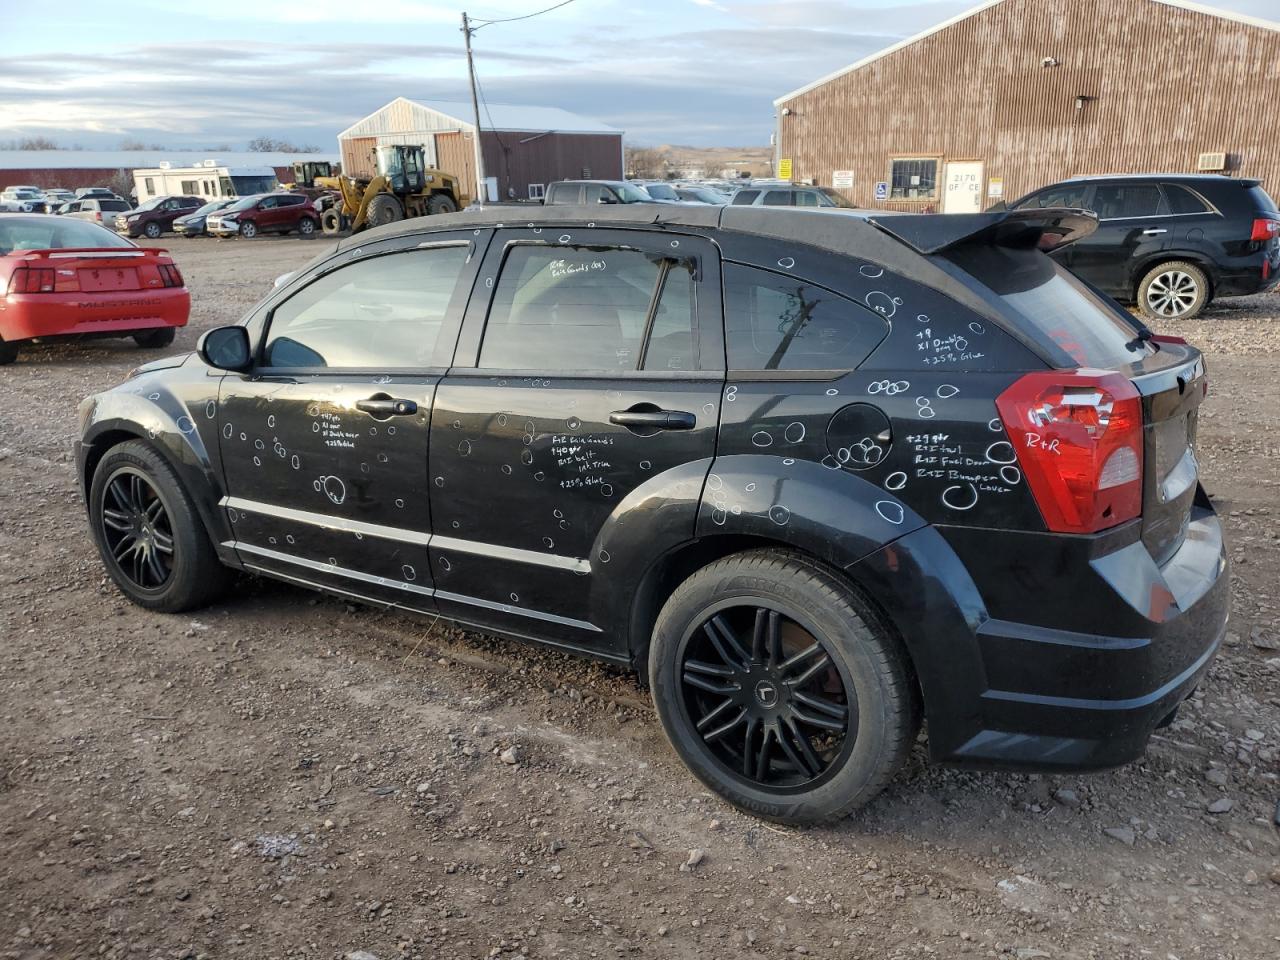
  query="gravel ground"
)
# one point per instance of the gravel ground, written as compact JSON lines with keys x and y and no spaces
{"x":284,"y":775}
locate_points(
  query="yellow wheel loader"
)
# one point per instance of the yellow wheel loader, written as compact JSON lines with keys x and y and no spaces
{"x":403,"y":187}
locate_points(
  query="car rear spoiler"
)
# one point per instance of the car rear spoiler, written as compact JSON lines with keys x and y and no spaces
{"x":1043,"y":228}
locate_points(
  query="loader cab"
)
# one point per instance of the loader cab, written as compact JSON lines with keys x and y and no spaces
{"x":403,"y":167}
{"x":305,"y":172}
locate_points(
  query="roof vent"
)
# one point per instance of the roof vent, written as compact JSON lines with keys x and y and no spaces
{"x":1208,"y":162}
{"x":165,"y":164}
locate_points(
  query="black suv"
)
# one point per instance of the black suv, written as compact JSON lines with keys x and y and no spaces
{"x":812,"y":474}
{"x":1170,"y":242}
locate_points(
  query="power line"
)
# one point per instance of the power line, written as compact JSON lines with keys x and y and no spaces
{"x":486,"y":23}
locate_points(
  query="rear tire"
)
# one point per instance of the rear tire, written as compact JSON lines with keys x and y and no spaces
{"x":331,"y":222}
{"x":154,"y":339}
{"x":819,"y":735}
{"x":152,"y":230}
{"x":136,"y":498}
{"x":439,"y":203}
{"x":248,"y":229}
{"x":8,"y":352}
{"x":1173,"y":291}
{"x":384,"y":209}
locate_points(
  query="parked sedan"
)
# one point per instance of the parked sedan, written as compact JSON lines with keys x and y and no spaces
{"x":194,"y":224}
{"x":68,"y":278}
{"x":265,"y":213}
{"x":814,"y":474}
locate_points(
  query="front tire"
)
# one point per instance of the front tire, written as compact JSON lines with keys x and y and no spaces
{"x":149,"y":534}
{"x":306,"y":227}
{"x":782,"y":688}
{"x":383,"y":209}
{"x":152,"y":230}
{"x":248,"y":229}
{"x":331,"y":222}
{"x":1174,"y":291}
{"x":154,"y":339}
{"x":8,"y":352}
{"x":439,"y":203}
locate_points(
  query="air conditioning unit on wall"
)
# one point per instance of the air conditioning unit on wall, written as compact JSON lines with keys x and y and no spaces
{"x":1208,"y":162}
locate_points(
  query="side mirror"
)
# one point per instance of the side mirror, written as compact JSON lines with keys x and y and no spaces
{"x":606,"y":198}
{"x":226,"y":348}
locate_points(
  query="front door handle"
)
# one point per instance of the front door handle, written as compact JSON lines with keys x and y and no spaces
{"x":1152,"y":232}
{"x":654,"y":419}
{"x":387,"y":407}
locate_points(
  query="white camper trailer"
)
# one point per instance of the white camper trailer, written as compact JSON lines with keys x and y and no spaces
{"x":209,"y":180}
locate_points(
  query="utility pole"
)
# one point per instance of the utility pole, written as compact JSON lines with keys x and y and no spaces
{"x":480,"y":194}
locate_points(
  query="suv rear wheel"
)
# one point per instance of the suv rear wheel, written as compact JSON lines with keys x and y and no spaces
{"x":148,"y":532}
{"x":1174,"y":291}
{"x":781,"y":688}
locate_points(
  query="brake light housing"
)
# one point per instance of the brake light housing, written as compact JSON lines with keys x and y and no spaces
{"x":1078,"y":439}
{"x":1264,"y":229}
{"x":32,"y":280}
{"x":170,"y":275}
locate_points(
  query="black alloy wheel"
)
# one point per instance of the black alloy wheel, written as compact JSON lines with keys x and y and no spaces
{"x":766,"y":697}
{"x":137,"y":530}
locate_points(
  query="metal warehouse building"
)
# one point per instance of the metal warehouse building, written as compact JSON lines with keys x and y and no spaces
{"x":1014,"y":94}
{"x":523,"y":148}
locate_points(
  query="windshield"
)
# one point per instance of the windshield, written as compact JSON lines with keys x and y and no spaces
{"x":1054,"y":305}
{"x":661,"y":191}
{"x":246,"y":185}
{"x":707,"y":195}
{"x":208,"y":208}
{"x":150,"y":204}
{"x":630,"y":193}
{"x":244,"y":203}
{"x":54,"y":233}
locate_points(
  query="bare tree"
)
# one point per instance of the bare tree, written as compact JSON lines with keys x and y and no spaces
{"x":33,"y":143}
{"x":646,"y":163}
{"x":272,"y":145}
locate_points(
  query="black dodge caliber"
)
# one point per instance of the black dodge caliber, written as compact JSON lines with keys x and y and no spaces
{"x":817,"y":476}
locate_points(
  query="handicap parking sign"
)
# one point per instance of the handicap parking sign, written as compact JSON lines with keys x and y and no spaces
{"x":882,"y":190}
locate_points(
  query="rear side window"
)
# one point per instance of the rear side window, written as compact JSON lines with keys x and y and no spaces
{"x":777,"y":198}
{"x":1050,"y":305}
{"x":1062,"y":195}
{"x":745,"y":197}
{"x":383,"y":312}
{"x":1182,"y":200}
{"x":590,"y":308}
{"x":564,"y":193}
{"x":1116,"y":201}
{"x":777,"y":322}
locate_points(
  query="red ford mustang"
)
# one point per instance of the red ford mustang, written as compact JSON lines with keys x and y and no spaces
{"x":71,"y":278}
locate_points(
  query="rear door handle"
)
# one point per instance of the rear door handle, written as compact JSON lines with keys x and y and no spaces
{"x":654,"y":419}
{"x":388,"y":407}
{"x":1152,"y":232}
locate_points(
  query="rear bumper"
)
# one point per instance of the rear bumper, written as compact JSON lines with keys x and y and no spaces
{"x":28,"y":316}
{"x":1129,"y":641}
{"x":1257,"y":274}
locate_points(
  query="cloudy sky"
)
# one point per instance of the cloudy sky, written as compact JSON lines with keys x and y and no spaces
{"x":700,"y":72}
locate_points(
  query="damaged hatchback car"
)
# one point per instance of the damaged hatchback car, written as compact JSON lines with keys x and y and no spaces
{"x":816,"y":476}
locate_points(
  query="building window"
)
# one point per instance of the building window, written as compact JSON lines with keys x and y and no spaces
{"x":150,"y":186}
{"x":190,"y":186}
{"x":537,"y":191}
{"x":913,"y":178}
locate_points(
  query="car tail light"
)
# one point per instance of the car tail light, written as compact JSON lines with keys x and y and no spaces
{"x":32,"y":280}
{"x":170,"y":274}
{"x":1078,"y":439}
{"x":1264,"y":229}
{"x":97,"y":215}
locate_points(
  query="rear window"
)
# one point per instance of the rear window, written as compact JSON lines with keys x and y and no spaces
{"x":1262,"y":199}
{"x":1052,"y":305}
{"x":54,"y":233}
{"x":112,"y":205}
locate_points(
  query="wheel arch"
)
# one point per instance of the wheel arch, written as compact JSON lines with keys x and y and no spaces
{"x":194,"y":471}
{"x":666,"y":573}
{"x":1161,"y":257}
